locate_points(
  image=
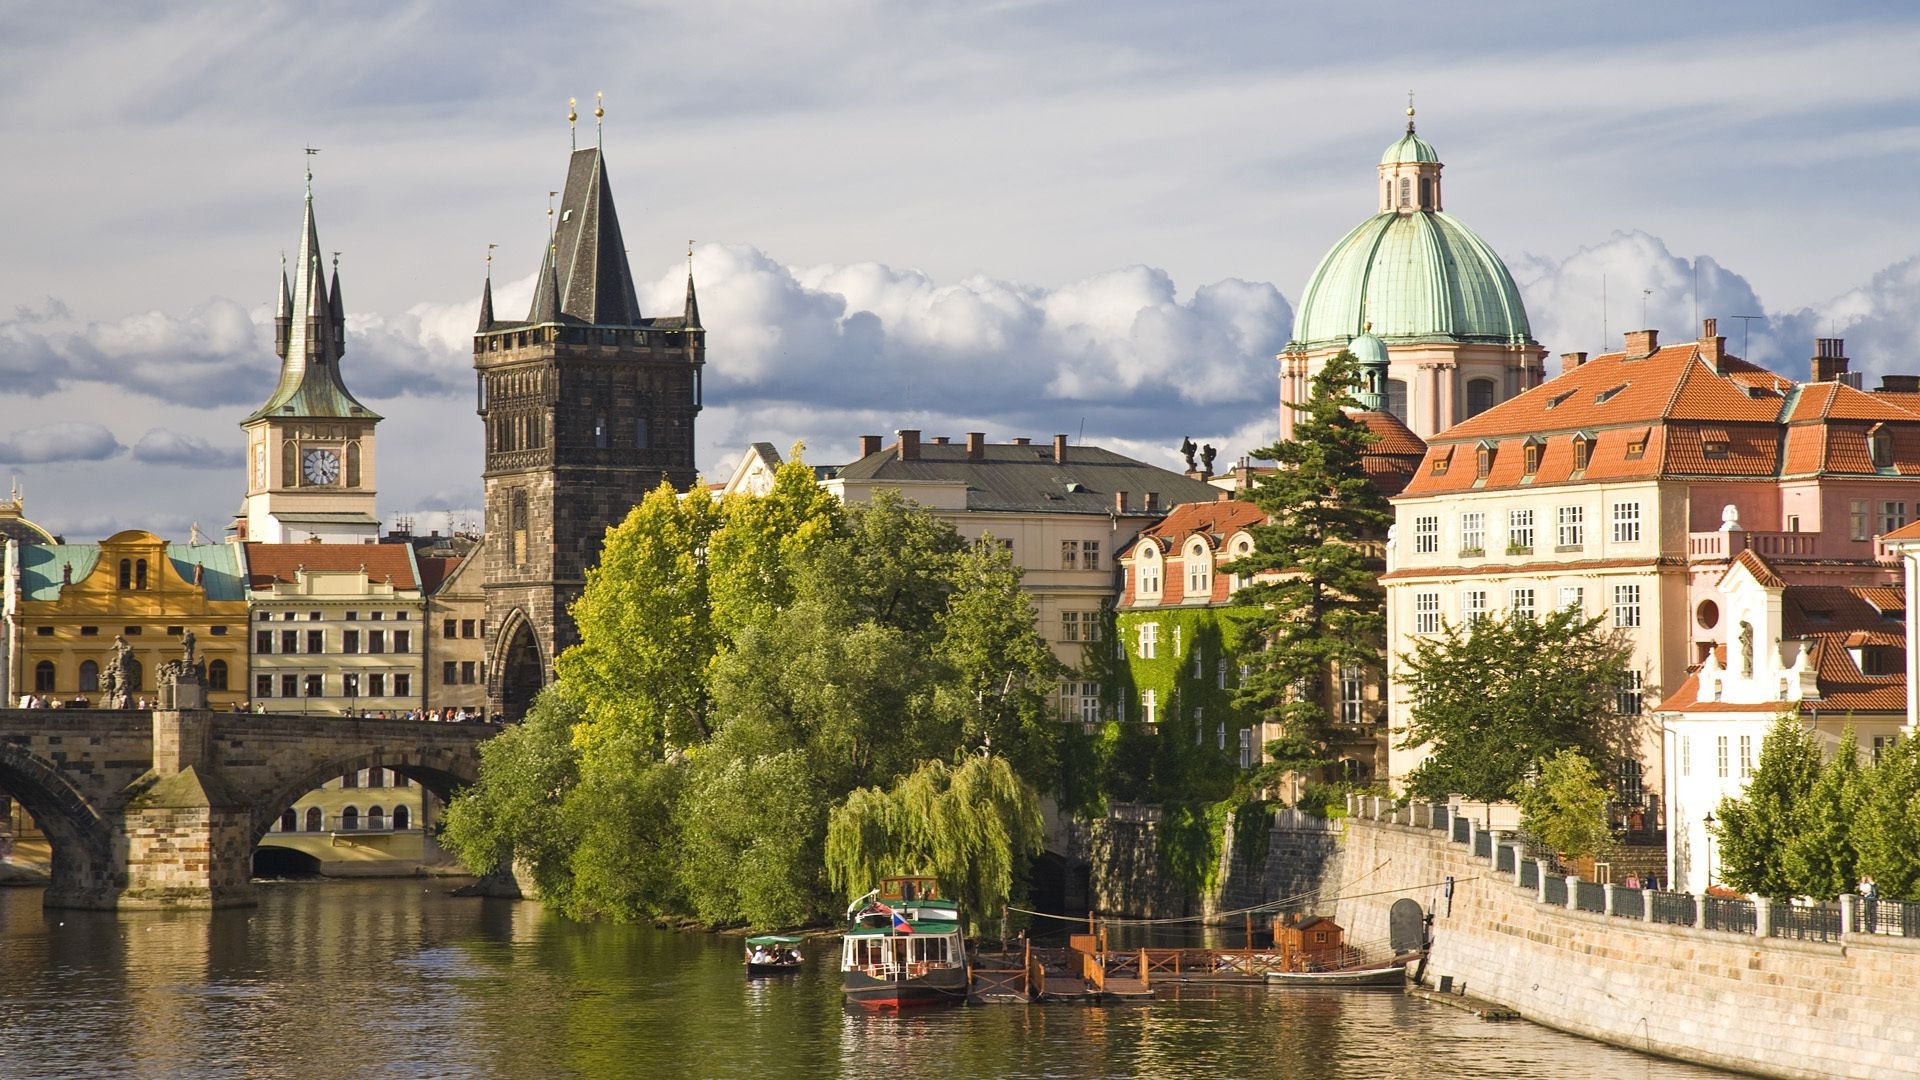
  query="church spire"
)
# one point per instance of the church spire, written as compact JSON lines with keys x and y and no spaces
{"x":693,"y":302}
{"x":283,"y":314}
{"x":486,"y":297}
{"x":337,"y":311}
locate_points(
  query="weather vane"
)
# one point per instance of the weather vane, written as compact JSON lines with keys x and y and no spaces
{"x":311,"y":150}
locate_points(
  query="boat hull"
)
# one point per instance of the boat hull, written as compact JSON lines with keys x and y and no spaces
{"x":1391,"y":975}
{"x":771,"y":969}
{"x":940,"y":986}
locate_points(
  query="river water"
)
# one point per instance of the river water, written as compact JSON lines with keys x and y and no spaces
{"x":399,"y":978}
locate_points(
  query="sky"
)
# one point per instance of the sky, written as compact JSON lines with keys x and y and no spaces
{"x":1023,"y":218}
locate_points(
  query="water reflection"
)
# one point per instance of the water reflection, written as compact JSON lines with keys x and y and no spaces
{"x":400,"y":979}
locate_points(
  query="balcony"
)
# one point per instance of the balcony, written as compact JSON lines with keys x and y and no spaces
{"x":1725,"y":545}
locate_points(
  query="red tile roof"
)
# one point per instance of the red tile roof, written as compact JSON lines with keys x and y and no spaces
{"x":1833,"y":618}
{"x":268,"y":563}
{"x":1393,"y":461}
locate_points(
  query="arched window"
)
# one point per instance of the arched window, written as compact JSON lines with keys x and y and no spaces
{"x":140,"y":573}
{"x":518,"y":528}
{"x":1426,"y":193}
{"x":600,"y":431}
{"x":1199,"y":570}
{"x":126,"y":573}
{"x":89,"y":675}
{"x":290,"y":821}
{"x":314,"y":821}
{"x":217,"y":675}
{"x":289,"y":464}
{"x":1406,"y":191}
{"x":350,"y":819}
{"x":136,"y":674}
{"x":1479,"y":396}
{"x":402,"y":820}
{"x":43,"y":677}
{"x":376,"y":819}
{"x":353,"y":464}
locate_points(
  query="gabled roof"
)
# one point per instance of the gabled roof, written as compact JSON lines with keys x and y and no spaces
{"x":269,"y":563}
{"x":1025,"y":478}
{"x":1832,"y":619}
{"x":1762,"y":572}
{"x":1218,"y":520}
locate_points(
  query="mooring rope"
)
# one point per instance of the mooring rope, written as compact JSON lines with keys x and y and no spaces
{"x":1271,"y":905}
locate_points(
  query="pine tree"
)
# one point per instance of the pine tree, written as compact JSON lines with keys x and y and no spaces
{"x":1320,"y":602}
{"x":1754,"y":830}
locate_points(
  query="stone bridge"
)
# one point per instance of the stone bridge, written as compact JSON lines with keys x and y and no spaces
{"x":165,"y":808}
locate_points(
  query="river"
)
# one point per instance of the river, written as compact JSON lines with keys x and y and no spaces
{"x":398,"y":978}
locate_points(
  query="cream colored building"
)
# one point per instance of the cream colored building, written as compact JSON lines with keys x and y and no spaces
{"x":371,"y":823}
{"x":456,"y":631}
{"x":338,"y":629}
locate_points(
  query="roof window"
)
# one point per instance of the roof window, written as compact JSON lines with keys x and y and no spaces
{"x":1483,"y":459}
{"x":1442,"y":459}
{"x":1530,"y":457}
{"x":1605,"y":396}
{"x":1582,"y":452}
{"x":1558,"y":398}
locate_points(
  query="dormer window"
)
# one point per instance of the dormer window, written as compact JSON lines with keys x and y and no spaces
{"x":1637,"y":445}
{"x":1530,"y":457}
{"x":1713,"y":444}
{"x":1605,"y":396}
{"x":1483,"y":459}
{"x":1556,"y":399}
{"x":1582,"y":452}
{"x":1880,"y":446}
{"x":1441,"y":460}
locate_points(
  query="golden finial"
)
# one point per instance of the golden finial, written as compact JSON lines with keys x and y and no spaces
{"x":490,"y":248}
{"x":599,"y":116}
{"x":1409,"y":112}
{"x":573,"y":117}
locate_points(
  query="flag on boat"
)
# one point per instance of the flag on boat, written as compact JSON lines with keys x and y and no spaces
{"x":900,"y":924}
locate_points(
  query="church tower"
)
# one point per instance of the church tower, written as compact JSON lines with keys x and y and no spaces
{"x":587,"y":406}
{"x":310,"y":447}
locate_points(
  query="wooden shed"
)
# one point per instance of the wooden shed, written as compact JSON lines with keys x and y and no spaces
{"x":1308,"y":942}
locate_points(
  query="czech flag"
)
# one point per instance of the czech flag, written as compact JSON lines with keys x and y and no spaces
{"x":900,"y":924}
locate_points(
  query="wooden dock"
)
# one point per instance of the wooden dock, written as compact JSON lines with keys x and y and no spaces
{"x":1087,"y":972}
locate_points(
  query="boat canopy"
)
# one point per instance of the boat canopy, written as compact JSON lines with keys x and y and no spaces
{"x":775,"y":939}
{"x":919,"y":929}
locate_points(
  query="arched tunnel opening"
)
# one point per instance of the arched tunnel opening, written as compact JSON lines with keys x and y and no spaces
{"x":368,"y":820}
{"x":276,"y":863}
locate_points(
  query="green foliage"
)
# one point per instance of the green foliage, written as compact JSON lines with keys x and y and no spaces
{"x":1566,"y":806}
{"x":1178,"y":759}
{"x":1000,"y":671}
{"x":1497,"y":697}
{"x":1888,"y":820}
{"x":1753,"y":831}
{"x":514,"y":811}
{"x":972,"y":824}
{"x":1319,"y":604}
{"x":1818,"y":858}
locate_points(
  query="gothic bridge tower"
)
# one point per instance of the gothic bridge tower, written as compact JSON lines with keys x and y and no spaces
{"x":587,"y":406}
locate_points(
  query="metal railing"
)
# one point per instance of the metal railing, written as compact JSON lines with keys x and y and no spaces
{"x":1808,"y":922}
{"x":1629,"y":903}
{"x":1590,"y":896}
{"x":1503,"y":859}
{"x":1530,"y":875}
{"x":1441,"y":820}
{"x":1483,"y":844}
{"x":1460,"y":830}
{"x":1896,"y":918}
{"x":1673,"y":908}
{"x":1727,"y":915}
{"x":1556,"y":890}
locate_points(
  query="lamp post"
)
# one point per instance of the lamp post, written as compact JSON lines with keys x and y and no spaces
{"x":1708,"y":822}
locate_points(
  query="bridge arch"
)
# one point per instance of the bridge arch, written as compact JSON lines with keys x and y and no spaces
{"x":518,"y":666}
{"x":81,"y":839}
{"x":440,"y":771}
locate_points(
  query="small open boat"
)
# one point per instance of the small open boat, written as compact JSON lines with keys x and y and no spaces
{"x":1386,"y":973}
{"x":773,"y":954}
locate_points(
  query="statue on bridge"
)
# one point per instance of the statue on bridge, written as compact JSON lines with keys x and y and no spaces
{"x":189,"y":672}
{"x":116,"y":681}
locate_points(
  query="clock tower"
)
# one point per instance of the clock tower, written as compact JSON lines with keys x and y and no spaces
{"x":310,"y":447}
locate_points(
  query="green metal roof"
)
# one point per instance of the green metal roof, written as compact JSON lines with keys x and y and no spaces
{"x":41,"y":568}
{"x":775,"y":939}
{"x":224,"y":579}
{"x":933,"y":929}
{"x":1416,"y":277}
{"x":1410,"y":148}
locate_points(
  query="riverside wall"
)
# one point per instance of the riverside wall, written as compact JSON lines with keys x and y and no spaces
{"x":1768,"y":1006}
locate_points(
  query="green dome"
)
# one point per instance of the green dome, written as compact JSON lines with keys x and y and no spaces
{"x":1368,"y":349}
{"x":1410,"y":148}
{"x":1415,"y":277}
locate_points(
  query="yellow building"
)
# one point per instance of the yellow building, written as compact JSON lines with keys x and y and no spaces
{"x":75,"y":600}
{"x":370,"y":823}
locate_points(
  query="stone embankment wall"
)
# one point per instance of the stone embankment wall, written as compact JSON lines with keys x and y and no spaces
{"x":1765,"y":1005}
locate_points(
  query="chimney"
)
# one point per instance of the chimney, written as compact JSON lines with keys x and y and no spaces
{"x":1900,"y":384}
{"x":1571,"y":361}
{"x":1226,"y":495}
{"x":1153,"y":501}
{"x":1829,"y":359}
{"x":1059,"y":449}
{"x":909,"y":444}
{"x":1023,"y":441}
{"x":941,"y":440}
{"x":1642,"y":342}
{"x":869,"y":445}
{"x":976,"y":446}
{"x":1713,"y":346}
{"x":1119,"y":502}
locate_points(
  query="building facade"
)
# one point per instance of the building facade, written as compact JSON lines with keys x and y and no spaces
{"x":587,"y":405}
{"x":310,"y":448}
{"x":369,"y":823}
{"x":456,"y":631}
{"x":1626,"y":487}
{"x":1431,"y":289}
{"x":337,"y":629}
{"x":77,"y":600}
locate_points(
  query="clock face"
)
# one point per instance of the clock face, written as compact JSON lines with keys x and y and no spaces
{"x":320,"y":466}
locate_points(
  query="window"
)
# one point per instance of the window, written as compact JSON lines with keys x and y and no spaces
{"x":518,"y":529}
{"x":401,"y":819}
{"x":350,"y":819}
{"x":1220,"y":673}
{"x":1519,"y":532}
{"x":640,"y":434}
{"x":1069,"y":626}
{"x":1627,"y":697}
{"x":316,"y":641}
{"x":1473,"y":533}
{"x":449,"y":673}
{"x":1626,"y":606}
{"x":1626,"y":523}
{"x":466,"y":628}
{"x":89,"y":676}
{"x":1177,"y":649}
{"x":376,"y":819}
{"x":399,"y":780}
{"x":1793,"y":522}
{"x":402,"y":684}
{"x":316,"y":686}
{"x":1857,"y":519}
{"x":43,"y":631}
{"x":126,"y":573}
{"x":1070,"y":554}
{"x":1636,"y":444}
{"x":1149,"y":641}
{"x":600,"y":431}
{"x":1882,"y":744}
{"x":376,"y":778}
{"x":263,"y":686}
{"x":1426,"y":534}
{"x":1426,"y":613}
{"x":289,"y":686}
{"x":1530,"y":458}
{"x":351,"y":780}
{"x":1246,"y":748}
{"x":1479,"y":395}
{"x":349,"y":641}
{"x":402,"y":641}
{"x":1406,"y":191}
{"x":1473,"y":605}
{"x":1353,"y":695}
{"x":217,"y":675}
{"x":1632,"y":785}
{"x":263,"y":642}
{"x":467,"y":670}
{"x":313,"y":819}
{"x":376,"y":641}
{"x":1483,"y":460}
{"x":1880,"y":446}
{"x":1892,"y":516}
{"x":350,"y":684}
{"x":1199,"y":571}
{"x":289,"y":641}
{"x":1089,"y":554}
{"x":1150,"y":706}
{"x":377,"y":684}
{"x":1686,"y":755}
{"x":1720,"y":754}
{"x":1582,"y":453}
{"x":1573,"y":527}
{"x":1520,"y":603}
{"x":43,"y":677}
{"x":1149,"y":570}
{"x":139,"y":573}
{"x":1746,"y":757}
{"x":446,"y":628}
{"x":313,"y":616}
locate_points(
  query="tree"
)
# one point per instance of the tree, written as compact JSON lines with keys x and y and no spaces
{"x":515,"y":810}
{"x":998,"y":670}
{"x":1756,"y":828}
{"x":1819,"y":857}
{"x":1319,"y":596}
{"x":971,"y":824}
{"x":1888,"y":820}
{"x":1494,"y":698}
{"x":1566,"y":806}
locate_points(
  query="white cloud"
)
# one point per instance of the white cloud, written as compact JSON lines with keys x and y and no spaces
{"x":63,"y":440}
{"x":160,"y":446}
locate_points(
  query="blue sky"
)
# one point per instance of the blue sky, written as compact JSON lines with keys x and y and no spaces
{"x":1021,"y":218}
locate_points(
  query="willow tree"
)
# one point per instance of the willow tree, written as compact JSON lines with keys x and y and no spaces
{"x":971,"y":825}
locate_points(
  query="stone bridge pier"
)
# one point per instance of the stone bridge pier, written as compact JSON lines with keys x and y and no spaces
{"x":165,"y":809}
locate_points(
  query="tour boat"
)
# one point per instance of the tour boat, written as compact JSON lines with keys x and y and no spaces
{"x":904,"y":947}
{"x":773,"y":954}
